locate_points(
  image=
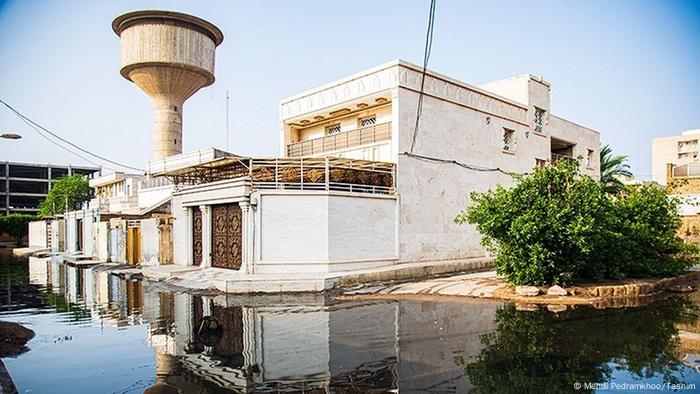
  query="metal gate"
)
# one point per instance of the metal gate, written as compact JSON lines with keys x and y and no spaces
{"x":226,"y":236}
{"x":196,"y":236}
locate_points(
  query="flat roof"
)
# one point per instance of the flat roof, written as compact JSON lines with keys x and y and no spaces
{"x":46,"y":165}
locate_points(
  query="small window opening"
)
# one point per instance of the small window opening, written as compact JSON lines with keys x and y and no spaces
{"x":368,"y":121}
{"x":508,"y":140}
{"x":333,"y":129}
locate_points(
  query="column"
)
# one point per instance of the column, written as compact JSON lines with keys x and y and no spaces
{"x":187,"y":218}
{"x":206,"y":235}
{"x":249,"y":348}
{"x":7,"y":187}
{"x":246,"y":238}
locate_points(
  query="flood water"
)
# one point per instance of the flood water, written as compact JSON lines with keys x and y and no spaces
{"x":96,"y":333}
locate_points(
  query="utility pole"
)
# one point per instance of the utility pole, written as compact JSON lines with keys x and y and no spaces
{"x":227,"y":101}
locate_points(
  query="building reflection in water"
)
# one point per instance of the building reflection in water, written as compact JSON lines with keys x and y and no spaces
{"x":306,"y":344}
{"x":86,"y":294}
{"x":228,"y":343}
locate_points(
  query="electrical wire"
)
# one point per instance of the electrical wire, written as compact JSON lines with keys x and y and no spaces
{"x":426,"y":57}
{"x":37,"y":126}
{"x":463,"y":165}
{"x":61,"y":146}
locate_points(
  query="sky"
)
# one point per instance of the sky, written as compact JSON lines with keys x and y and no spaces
{"x":628,"y":69}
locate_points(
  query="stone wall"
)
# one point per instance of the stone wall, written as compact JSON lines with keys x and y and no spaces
{"x":689,"y":185}
{"x":690,"y":229}
{"x":324,"y":232}
{"x":150,"y":242}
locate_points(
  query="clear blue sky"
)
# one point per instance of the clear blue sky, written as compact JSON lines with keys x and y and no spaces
{"x":629,"y":69}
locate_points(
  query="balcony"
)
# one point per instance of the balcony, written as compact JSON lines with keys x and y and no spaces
{"x":558,"y":157}
{"x":339,"y":141}
{"x":307,"y":173}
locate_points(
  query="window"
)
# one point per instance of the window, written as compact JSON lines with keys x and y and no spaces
{"x":509,"y":140}
{"x":368,"y":121}
{"x":589,"y":158}
{"x":333,"y":129}
{"x":539,"y":120}
{"x":540,"y":163}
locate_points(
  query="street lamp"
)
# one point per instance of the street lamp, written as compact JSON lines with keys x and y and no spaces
{"x":10,"y":136}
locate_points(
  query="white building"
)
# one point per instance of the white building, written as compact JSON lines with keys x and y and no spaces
{"x":677,"y":150}
{"x":355,"y":188}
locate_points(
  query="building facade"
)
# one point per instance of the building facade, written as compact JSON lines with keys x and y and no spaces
{"x":498,"y":128}
{"x":677,"y":150}
{"x":355,"y":187}
{"x":23,"y":186}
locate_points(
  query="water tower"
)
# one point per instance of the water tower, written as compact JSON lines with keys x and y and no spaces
{"x":170,"y":56}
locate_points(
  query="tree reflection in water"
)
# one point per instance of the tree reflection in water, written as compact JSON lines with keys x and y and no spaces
{"x":535,"y":351}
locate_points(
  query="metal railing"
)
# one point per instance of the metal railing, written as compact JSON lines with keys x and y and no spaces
{"x":686,"y":170}
{"x":151,"y":182}
{"x":343,"y":140}
{"x":557,"y":157}
{"x":325,"y":173}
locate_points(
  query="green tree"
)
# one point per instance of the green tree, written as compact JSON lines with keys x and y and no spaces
{"x":611,"y":169}
{"x":67,"y":193}
{"x":557,"y":226}
{"x":16,"y":225}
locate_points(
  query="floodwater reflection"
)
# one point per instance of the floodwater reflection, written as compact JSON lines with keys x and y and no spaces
{"x":541,"y":349}
{"x":97,"y":333}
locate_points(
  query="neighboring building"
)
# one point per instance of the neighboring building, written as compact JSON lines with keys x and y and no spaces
{"x":683,"y":182}
{"x":23,"y":186}
{"x":677,"y":150}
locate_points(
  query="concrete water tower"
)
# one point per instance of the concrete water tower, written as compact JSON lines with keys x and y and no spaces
{"x":170,"y":56}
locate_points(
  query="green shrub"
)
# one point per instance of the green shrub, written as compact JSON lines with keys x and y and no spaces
{"x":16,"y":225}
{"x":557,"y":226}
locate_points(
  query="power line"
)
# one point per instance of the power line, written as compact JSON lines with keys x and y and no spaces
{"x":37,"y":126}
{"x":460,"y":164}
{"x":59,"y":145}
{"x":426,"y":57}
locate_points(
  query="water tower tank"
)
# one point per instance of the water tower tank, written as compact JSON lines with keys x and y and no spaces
{"x":170,"y":56}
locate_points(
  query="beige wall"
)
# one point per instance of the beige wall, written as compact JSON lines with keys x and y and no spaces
{"x":665,"y":150}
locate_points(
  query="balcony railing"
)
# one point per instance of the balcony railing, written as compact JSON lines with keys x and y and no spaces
{"x":686,"y":170}
{"x":294,"y":173}
{"x":343,"y":140}
{"x":558,"y":157}
{"x":325,"y":173}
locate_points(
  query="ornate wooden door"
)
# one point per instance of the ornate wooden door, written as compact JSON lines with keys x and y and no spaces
{"x":133,"y":245}
{"x":230,"y":347}
{"x":196,"y":236}
{"x":226,"y":236}
{"x":165,"y":249}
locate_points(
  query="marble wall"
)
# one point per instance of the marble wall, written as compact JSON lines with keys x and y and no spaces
{"x":324,"y":232}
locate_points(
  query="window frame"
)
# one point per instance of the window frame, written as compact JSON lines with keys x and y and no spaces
{"x":541,"y":124}
{"x":364,"y":118}
{"x":511,"y":145}
{"x":333,"y":126}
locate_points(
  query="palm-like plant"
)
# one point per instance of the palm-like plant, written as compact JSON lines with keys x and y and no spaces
{"x":612,"y":168}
